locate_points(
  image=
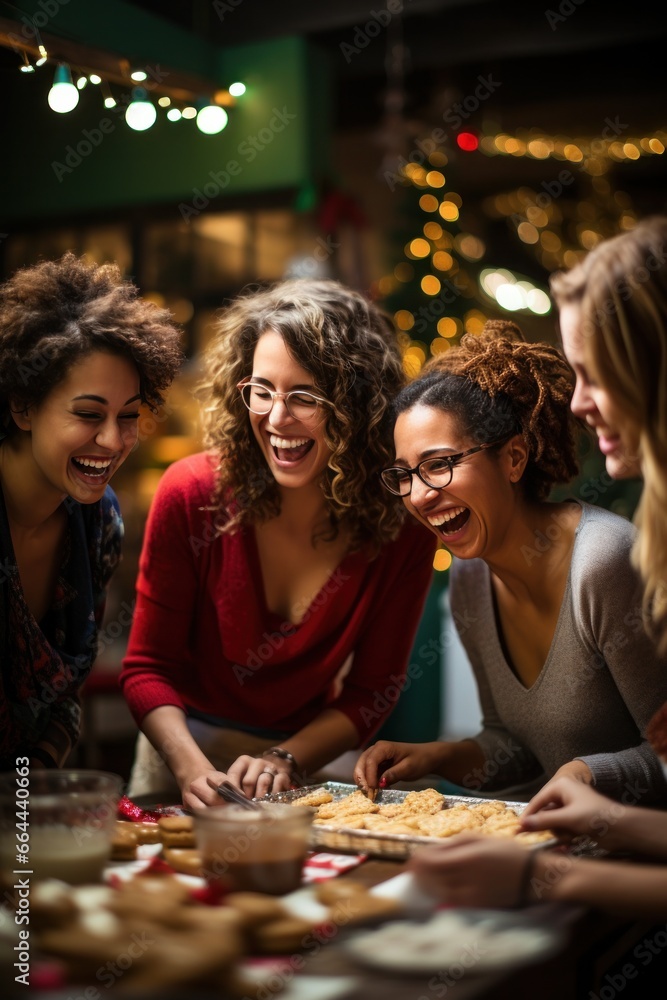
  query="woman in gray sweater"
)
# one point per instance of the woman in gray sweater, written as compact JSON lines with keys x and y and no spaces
{"x":613,"y":317}
{"x":544,"y":596}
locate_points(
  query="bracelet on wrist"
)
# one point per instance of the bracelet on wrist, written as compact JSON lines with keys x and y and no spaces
{"x":282,"y":754}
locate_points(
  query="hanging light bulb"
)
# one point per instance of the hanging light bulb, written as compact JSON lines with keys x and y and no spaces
{"x":109,"y":99}
{"x":237,"y":89}
{"x":164,"y":102}
{"x":27,"y":66}
{"x":211,"y":118}
{"x":141,"y":113}
{"x":138,"y":75}
{"x":81,"y":82}
{"x":43,"y":54}
{"x":95,"y":78}
{"x":63,"y":96}
{"x":174,"y":114}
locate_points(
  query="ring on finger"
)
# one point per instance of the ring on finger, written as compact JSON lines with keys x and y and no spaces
{"x":270,"y":770}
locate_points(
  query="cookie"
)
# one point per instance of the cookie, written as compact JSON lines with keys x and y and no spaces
{"x":426,"y":801}
{"x":488,"y":809}
{"x":279,"y":937}
{"x":447,"y":823}
{"x":145,"y":833}
{"x":180,"y":959}
{"x":177,"y":831}
{"x":81,"y":950}
{"x":318,"y":797}
{"x":124,"y":843}
{"x":156,"y":900}
{"x":400,"y":828}
{"x":351,"y":805}
{"x":51,"y":905}
{"x":186,"y":860}
{"x":335,"y":889}
{"x":255,"y":907}
{"x":362,"y":908}
{"x":528,"y":838}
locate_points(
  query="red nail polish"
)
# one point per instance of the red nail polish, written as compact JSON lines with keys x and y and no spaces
{"x":382,"y":783}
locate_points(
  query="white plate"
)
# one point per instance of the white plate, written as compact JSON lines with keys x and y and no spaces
{"x":404,"y":889}
{"x":472,"y":940}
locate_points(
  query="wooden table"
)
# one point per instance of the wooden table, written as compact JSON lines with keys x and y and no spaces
{"x":594,"y":944}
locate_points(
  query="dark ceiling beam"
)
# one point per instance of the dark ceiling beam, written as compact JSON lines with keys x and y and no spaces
{"x":178,"y":85}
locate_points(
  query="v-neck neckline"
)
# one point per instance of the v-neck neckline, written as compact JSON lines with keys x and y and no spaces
{"x":495,"y":618}
{"x":266,"y":611}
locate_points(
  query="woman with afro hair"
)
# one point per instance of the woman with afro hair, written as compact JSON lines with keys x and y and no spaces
{"x":279,"y":589}
{"x":546,"y":602}
{"x":80,"y":352}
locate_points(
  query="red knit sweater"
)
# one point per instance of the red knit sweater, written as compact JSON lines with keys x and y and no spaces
{"x":203,"y":637}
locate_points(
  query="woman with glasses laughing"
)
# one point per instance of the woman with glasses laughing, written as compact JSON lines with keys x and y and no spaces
{"x":546,"y":602}
{"x":280,"y":588}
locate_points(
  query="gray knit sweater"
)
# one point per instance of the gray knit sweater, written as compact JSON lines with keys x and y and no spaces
{"x":601,"y":682}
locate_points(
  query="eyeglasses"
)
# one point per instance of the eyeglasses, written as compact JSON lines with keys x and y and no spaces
{"x":434,"y":472}
{"x":301,"y":405}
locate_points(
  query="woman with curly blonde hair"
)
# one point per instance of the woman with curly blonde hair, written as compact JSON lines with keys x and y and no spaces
{"x":279,"y":589}
{"x":481,"y":437}
{"x":80,"y":351}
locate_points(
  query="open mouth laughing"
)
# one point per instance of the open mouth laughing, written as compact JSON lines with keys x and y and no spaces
{"x":92,"y":470}
{"x":449,"y":521}
{"x":290,"y":451}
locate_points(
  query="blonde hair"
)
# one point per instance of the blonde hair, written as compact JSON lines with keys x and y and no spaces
{"x":623,"y":305}
{"x":350,"y":347}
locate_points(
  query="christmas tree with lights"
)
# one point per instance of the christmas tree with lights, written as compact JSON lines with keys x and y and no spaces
{"x":432,"y":291}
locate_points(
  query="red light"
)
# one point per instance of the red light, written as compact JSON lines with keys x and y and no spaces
{"x":467,"y":141}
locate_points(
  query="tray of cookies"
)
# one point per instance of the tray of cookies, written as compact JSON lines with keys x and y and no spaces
{"x":399,"y":821}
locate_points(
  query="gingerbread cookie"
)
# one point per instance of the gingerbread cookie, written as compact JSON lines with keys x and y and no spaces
{"x":177,"y":831}
{"x":123,"y":843}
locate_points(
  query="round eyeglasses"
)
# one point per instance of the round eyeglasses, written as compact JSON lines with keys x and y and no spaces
{"x":300,"y":404}
{"x":435,"y":473}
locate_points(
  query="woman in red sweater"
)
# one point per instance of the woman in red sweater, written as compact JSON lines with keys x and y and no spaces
{"x":279,"y":589}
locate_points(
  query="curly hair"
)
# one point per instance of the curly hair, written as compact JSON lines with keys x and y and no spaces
{"x":54,"y":313}
{"x":350,"y":348}
{"x":624,"y":328}
{"x":496,"y":386}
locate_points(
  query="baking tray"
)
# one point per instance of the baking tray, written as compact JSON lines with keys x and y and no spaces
{"x":386,"y":845}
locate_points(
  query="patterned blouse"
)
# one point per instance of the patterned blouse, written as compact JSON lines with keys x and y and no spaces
{"x":43,"y":664}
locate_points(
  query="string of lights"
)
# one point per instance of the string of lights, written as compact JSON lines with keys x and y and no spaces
{"x":144,"y":91}
{"x":559,"y":221}
{"x":594,"y":154}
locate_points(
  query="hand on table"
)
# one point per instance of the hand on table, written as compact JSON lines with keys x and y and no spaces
{"x":257,"y":776}
{"x":405,"y":762}
{"x":568,"y":805}
{"x":199,"y":790}
{"x":254,"y":776}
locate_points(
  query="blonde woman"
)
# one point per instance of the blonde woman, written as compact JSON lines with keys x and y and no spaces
{"x":279,"y":588}
{"x":615,"y":334}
